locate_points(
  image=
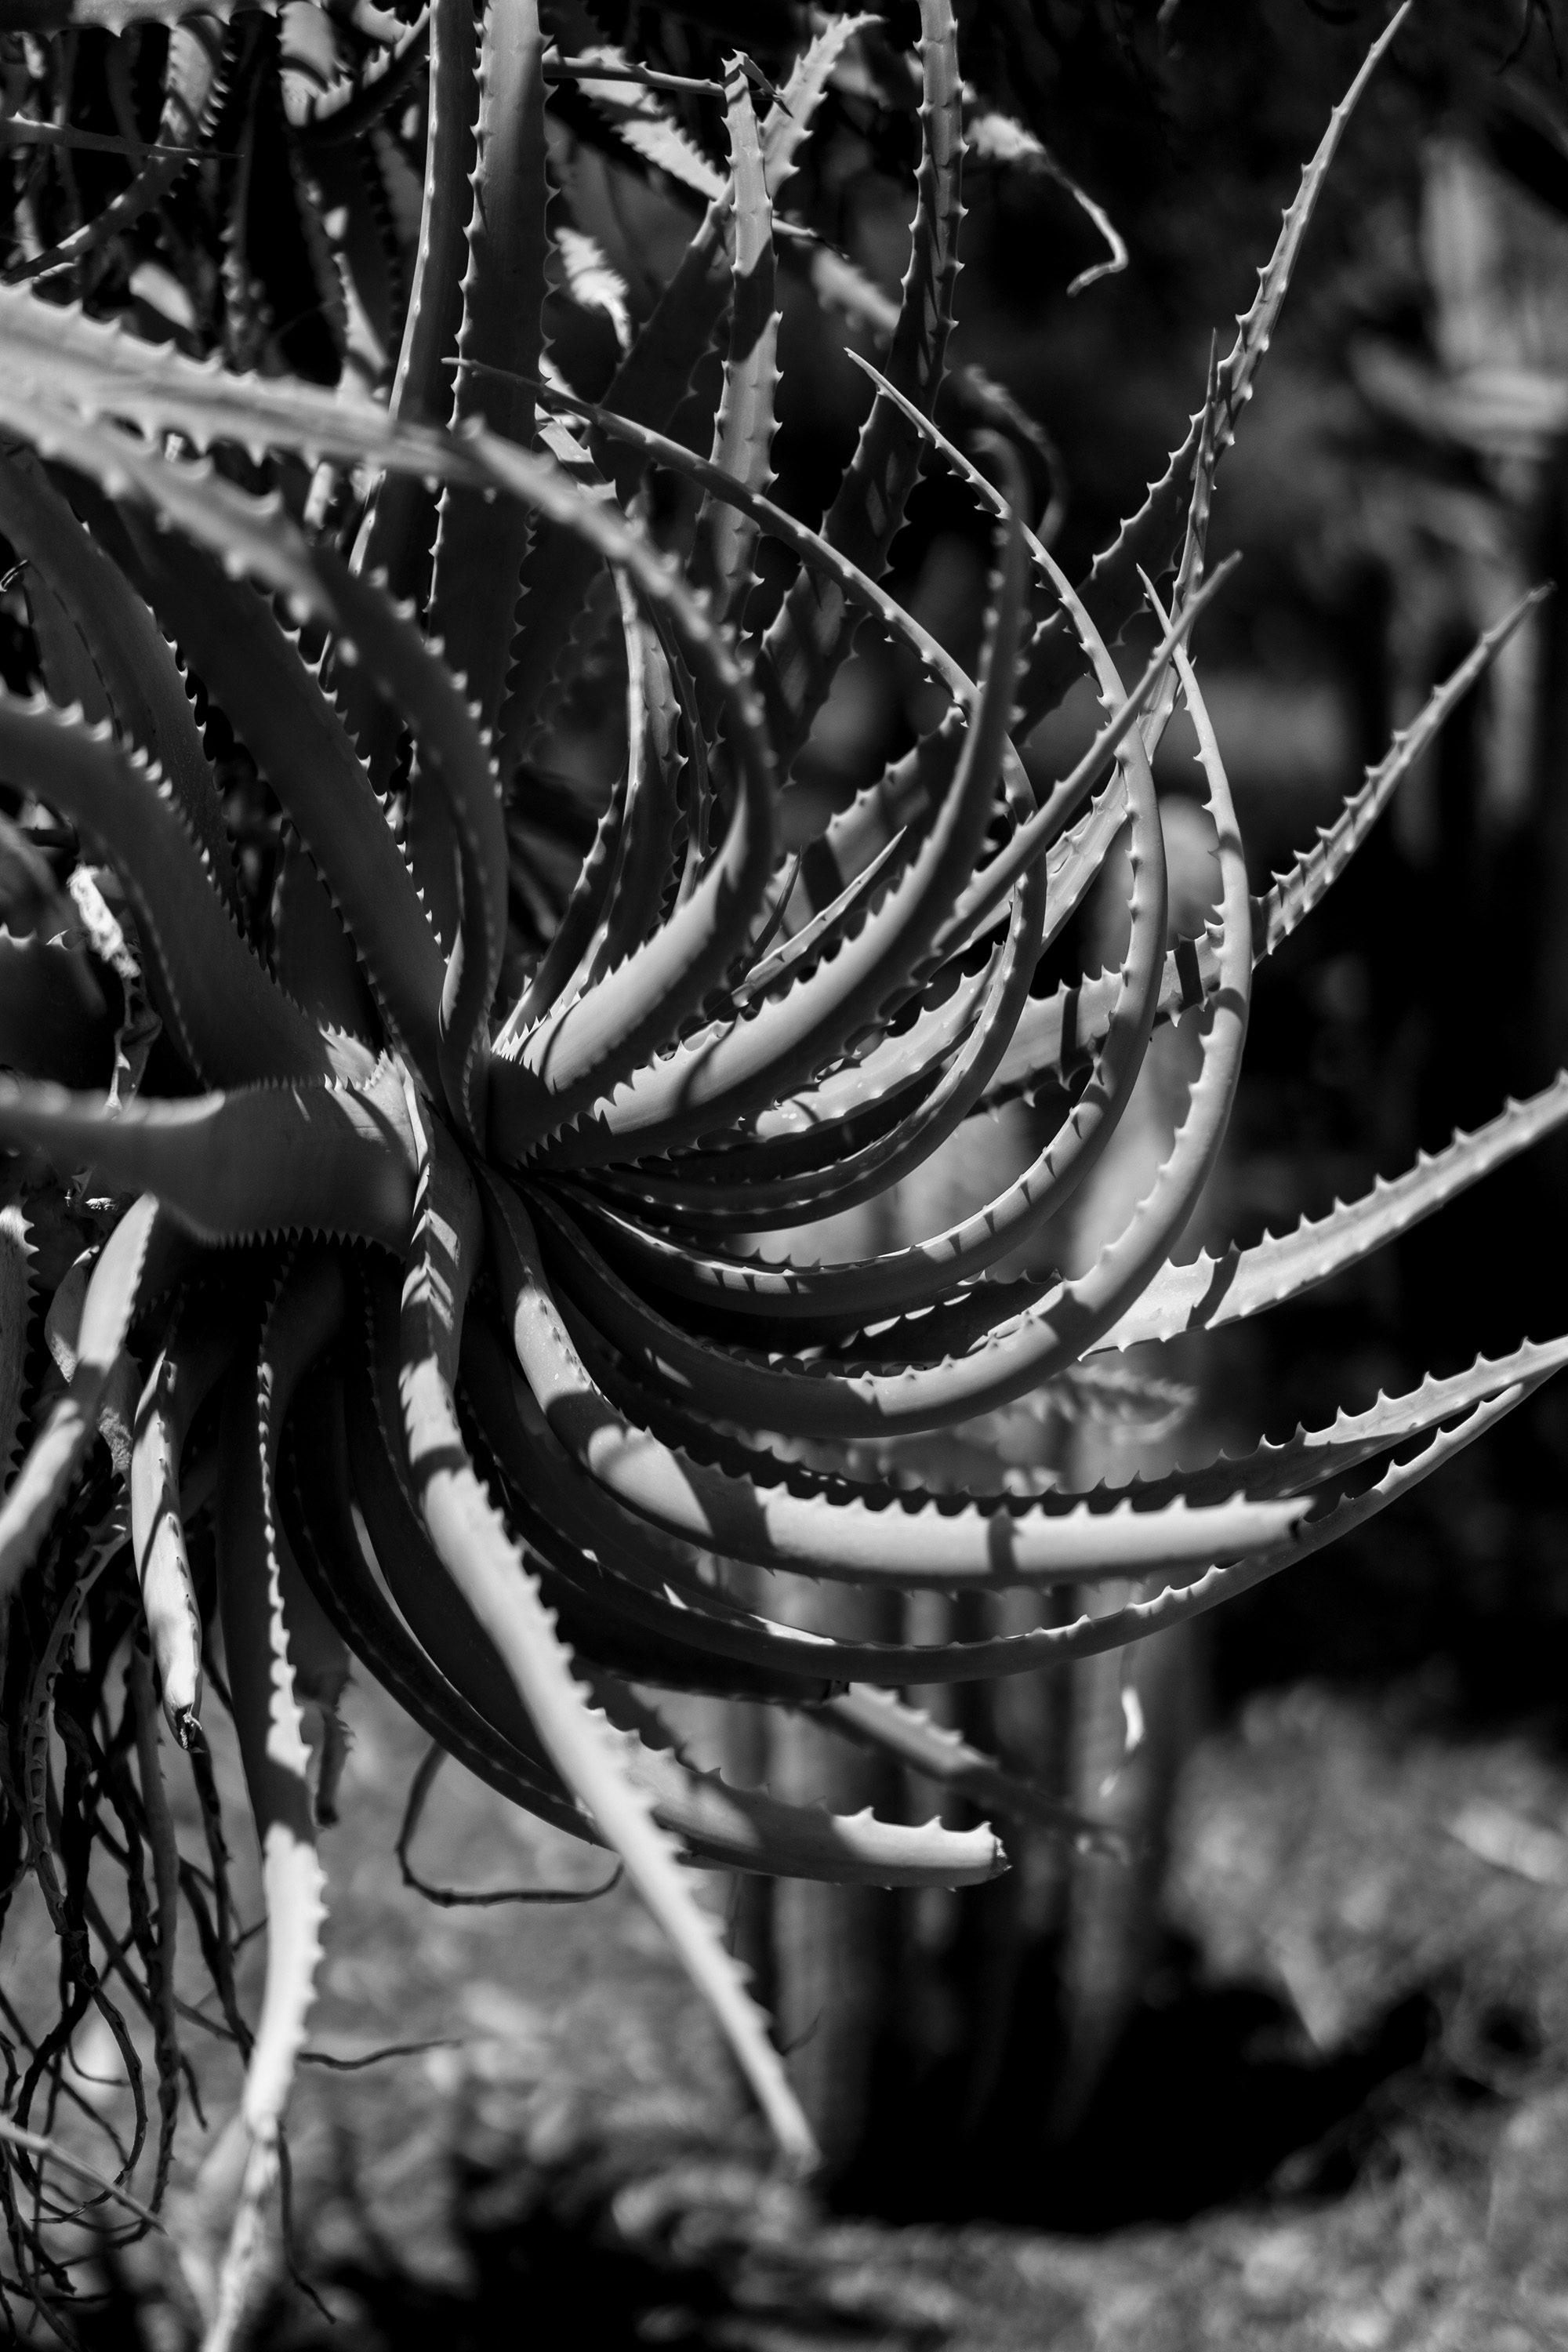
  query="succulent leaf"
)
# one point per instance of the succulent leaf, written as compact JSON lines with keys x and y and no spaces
{"x":193,"y":1359}
{"x":480,"y":542}
{"x":16,"y":1310}
{"x":493,"y":1574}
{"x":743,"y":427}
{"x":262,"y":1674}
{"x":805,"y":643}
{"x":318,"y":1158}
{"x":140,"y":688}
{"x":109,"y":1299}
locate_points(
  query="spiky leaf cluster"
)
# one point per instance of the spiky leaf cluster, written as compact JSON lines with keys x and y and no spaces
{"x":402,"y":1246}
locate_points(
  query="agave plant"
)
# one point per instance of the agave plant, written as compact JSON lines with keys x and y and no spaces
{"x":401,"y":1240}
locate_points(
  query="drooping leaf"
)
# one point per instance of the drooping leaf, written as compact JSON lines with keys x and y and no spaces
{"x":109,"y":1299}
{"x":262,"y":1672}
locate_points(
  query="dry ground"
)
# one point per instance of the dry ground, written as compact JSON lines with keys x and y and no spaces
{"x":569,"y":2163}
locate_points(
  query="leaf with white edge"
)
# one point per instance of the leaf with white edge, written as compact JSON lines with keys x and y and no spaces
{"x":997,"y":140}
{"x":1294,"y":894}
{"x":109,"y":1300}
{"x":192,"y":1361}
{"x":161,"y":1837}
{"x":1091,"y":1636}
{"x":257,"y":1651}
{"x":592,"y":281}
{"x":637,"y":116}
{"x":834,"y":1527}
{"x":456,"y":835}
{"x":141,"y":689}
{"x":16,"y":1311}
{"x":493,"y":1576}
{"x":743,"y":426}
{"x":809,"y":637}
{"x":1209,"y":1290}
{"x":1150,"y":539}
{"x":880,"y":1721}
{"x":738,"y":1065}
{"x":395,"y":536}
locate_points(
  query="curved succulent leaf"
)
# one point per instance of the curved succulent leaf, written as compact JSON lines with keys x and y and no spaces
{"x":303,"y":751}
{"x":1092,"y":1637}
{"x":743,"y":426}
{"x":841,"y":1178}
{"x":193,"y":1359}
{"x":1294,"y":894}
{"x":1015,"y":1351}
{"x":320,"y":1157}
{"x":16,"y":1311}
{"x":491,"y":1573}
{"x":905,"y":1280}
{"x":1149,"y":540}
{"x":312,"y":957}
{"x":832,"y":1529}
{"x":232,"y":1022}
{"x":735,"y":1828}
{"x":480,"y":541}
{"x":880,"y":1721}
{"x":394,"y":539}
{"x":669,"y":974}
{"x":752,"y":1830}
{"x":572,"y":940}
{"x":635,"y":113}
{"x":495,"y":1737}
{"x":837,"y":1294}
{"x":250,"y":534}
{"x":1061,"y":804}
{"x":124,"y":651}
{"x":1207,"y":1290}
{"x":810,"y":635}
{"x":263,"y":1675}
{"x":353,"y":104}
{"x":479,"y":546}
{"x":1305,"y":1460}
{"x":161,"y":1837}
{"x":812,"y":1137}
{"x":718,"y":1076}
{"x":195,"y":83}
{"x":646,"y":1584}
{"x":1053,"y":1032}
{"x":109,"y":1300}
{"x":655,"y":375}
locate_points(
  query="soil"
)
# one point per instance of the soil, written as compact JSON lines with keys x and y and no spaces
{"x":1346,"y":2102}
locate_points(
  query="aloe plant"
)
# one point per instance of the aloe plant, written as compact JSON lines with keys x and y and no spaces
{"x":400,"y":1243}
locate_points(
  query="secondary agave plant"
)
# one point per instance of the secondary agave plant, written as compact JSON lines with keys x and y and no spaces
{"x":401,"y":1246}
